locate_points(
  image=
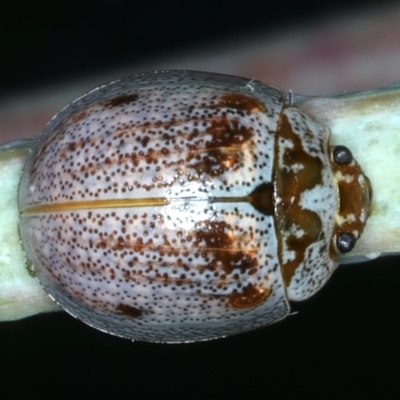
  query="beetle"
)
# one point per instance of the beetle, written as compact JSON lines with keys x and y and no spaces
{"x":179,"y":206}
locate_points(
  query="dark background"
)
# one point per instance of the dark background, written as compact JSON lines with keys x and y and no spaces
{"x":42,"y":44}
{"x":342,"y":344}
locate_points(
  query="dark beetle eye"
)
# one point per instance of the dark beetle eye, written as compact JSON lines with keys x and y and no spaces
{"x":345,"y":242}
{"x":342,"y":155}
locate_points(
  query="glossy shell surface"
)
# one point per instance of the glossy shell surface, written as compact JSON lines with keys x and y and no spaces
{"x":181,"y":206}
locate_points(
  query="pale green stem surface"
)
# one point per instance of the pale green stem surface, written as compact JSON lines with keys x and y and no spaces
{"x":367,"y":122}
{"x":20,"y":294}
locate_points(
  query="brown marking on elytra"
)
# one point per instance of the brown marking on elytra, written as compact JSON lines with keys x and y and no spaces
{"x":79,"y":116}
{"x":215,"y":234}
{"x":224,"y":151}
{"x":230,"y":140}
{"x":250,"y":296}
{"x":227,"y":132}
{"x":290,"y":184}
{"x":128,"y":311}
{"x":73,"y":146}
{"x":220,"y":246}
{"x":121,"y":100}
{"x":241,"y":102}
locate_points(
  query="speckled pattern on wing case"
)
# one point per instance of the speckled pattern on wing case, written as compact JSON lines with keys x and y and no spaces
{"x":202,"y":265}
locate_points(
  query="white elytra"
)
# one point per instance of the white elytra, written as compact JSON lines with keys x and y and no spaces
{"x":152,"y":209}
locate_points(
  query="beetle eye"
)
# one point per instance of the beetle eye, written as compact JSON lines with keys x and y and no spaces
{"x":345,"y":242}
{"x":342,"y":155}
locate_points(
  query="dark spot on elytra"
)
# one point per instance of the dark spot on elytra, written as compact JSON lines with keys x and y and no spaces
{"x":145,"y":141}
{"x":117,"y":101}
{"x":128,"y":311}
{"x":74,"y":146}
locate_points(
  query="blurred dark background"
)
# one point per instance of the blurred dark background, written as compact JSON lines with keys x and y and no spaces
{"x":42,"y":43}
{"x":344,"y":343}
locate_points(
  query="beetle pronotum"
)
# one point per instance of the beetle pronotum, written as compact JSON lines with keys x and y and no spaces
{"x":180,"y":206}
